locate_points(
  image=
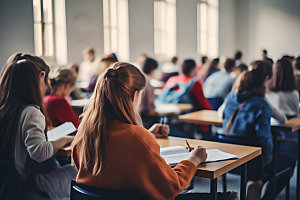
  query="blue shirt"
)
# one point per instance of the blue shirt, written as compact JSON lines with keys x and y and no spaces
{"x":253,"y":120}
{"x":217,"y":85}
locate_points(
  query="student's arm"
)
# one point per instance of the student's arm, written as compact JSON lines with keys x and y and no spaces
{"x":276,"y":113}
{"x":152,"y":175}
{"x":61,"y":142}
{"x":32,"y":128}
{"x":263,"y":131}
{"x":64,"y":113}
{"x":197,"y":92}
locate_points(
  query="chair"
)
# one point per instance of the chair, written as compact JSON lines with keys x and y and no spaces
{"x":215,"y":102}
{"x":257,"y":161}
{"x":81,"y":191}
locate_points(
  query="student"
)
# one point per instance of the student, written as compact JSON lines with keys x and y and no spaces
{"x":113,"y":151}
{"x":213,"y":68}
{"x":147,"y":103}
{"x":99,"y":67}
{"x":248,"y":115}
{"x":284,"y":95}
{"x":238,"y":57}
{"x":196,"y":93}
{"x":85,"y":70}
{"x":239,"y":69}
{"x":218,"y":85}
{"x":170,"y":69}
{"x":76,"y":93}
{"x":23,"y":83}
{"x":57,"y":107}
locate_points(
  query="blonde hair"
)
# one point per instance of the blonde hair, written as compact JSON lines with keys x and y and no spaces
{"x":61,"y":76}
{"x":111,"y":100}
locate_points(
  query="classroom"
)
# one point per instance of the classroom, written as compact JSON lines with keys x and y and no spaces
{"x":149,"y":99}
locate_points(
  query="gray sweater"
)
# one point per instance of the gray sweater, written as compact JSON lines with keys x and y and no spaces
{"x":31,"y":138}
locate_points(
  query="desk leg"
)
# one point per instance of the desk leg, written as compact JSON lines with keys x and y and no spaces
{"x":213,"y":188}
{"x":298,"y":169}
{"x":243,"y":182}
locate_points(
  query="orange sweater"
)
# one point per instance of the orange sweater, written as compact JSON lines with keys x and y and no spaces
{"x":134,"y":163}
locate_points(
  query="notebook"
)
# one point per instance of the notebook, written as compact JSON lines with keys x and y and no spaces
{"x":62,"y":130}
{"x":173,"y":155}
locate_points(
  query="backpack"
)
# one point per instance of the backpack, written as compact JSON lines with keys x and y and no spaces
{"x":177,"y":93}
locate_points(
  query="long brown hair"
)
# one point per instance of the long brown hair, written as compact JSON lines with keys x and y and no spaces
{"x":19,"y":85}
{"x":253,"y":80}
{"x":61,"y":76}
{"x":111,"y":100}
{"x":283,"y":78}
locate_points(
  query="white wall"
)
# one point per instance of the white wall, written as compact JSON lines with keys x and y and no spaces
{"x":141,"y":28}
{"x":84,"y":27}
{"x":270,"y":24}
{"x":187,"y":29}
{"x":16,"y":28}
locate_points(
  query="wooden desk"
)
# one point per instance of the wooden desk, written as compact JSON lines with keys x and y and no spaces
{"x":210,"y":117}
{"x":164,"y":109}
{"x":215,"y":169}
{"x":204,"y":117}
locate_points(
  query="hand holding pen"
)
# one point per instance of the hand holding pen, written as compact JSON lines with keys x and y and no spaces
{"x":160,"y":130}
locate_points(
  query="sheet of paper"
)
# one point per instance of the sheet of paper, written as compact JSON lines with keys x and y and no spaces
{"x":213,"y":155}
{"x":173,"y":150}
{"x":61,"y":131}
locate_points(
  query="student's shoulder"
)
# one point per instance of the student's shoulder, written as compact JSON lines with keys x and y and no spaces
{"x":32,"y":111}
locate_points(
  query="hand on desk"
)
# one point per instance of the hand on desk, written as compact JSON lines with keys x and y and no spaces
{"x":61,"y":142}
{"x":198,"y":155}
{"x":160,"y":130}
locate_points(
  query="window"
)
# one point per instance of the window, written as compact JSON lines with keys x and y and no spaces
{"x":207,"y":28}
{"x":115,"y":22}
{"x":164,"y":28}
{"x":43,"y":28}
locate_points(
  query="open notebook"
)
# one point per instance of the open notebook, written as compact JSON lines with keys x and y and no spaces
{"x":173,"y":155}
{"x":62,"y":130}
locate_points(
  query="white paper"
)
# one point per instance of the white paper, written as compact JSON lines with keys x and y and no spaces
{"x":174,"y":155}
{"x":166,"y":107}
{"x":61,"y":131}
{"x":79,"y":102}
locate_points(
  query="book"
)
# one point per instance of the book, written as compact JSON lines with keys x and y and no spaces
{"x":62,"y":130}
{"x":174,"y":155}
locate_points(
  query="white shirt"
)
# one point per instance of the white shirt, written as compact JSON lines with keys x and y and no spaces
{"x":287,"y":102}
{"x":85,"y":71}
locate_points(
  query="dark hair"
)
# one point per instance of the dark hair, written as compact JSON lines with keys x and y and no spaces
{"x":187,"y":66}
{"x":203,"y":59}
{"x":238,"y":55}
{"x":297,"y":64}
{"x":265,"y":51}
{"x":112,"y":57}
{"x":288,"y":57}
{"x":283,"y":79}
{"x":213,"y":65}
{"x":242,"y":67}
{"x":267,"y":66}
{"x":174,"y":59}
{"x":111,"y":100}
{"x":229,"y":64}
{"x":149,"y":65}
{"x":19,"y":85}
{"x":270,"y":60}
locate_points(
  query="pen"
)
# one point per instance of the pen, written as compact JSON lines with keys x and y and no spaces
{"x":189,"y":147}
{"x":162,"y":121}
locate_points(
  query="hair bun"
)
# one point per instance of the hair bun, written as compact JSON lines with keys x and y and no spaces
{"x":111,"y":73}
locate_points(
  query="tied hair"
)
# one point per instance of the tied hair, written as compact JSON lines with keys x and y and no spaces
{"x":111,"y":73}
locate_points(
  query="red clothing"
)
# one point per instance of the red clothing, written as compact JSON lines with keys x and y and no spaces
{"x":199,"y":100}
{"x":133,"y":162}
{"x":59,"y":110}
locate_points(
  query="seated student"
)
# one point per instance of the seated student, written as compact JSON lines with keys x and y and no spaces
{"x":147,"y":103}
{"x":213,"y":68}
{"x":170,"y":69}
{"x":85,"y":69}
{"x":297,"y":71}
{"x":23,"y":84}
{"x":57,"y":107}
{"x":284,"y":95}
{"x":76,"y":93}
{"x":99,"y":67}
{"x":113,"y":151}
{"x":220,"y":83}
{"x":248,"y":115}
{"x":188,"y":78}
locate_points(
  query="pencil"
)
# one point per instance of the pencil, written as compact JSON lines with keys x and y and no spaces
{"x":189,"y":147}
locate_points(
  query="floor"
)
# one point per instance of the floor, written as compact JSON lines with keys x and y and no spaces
{"x":233,"y":184}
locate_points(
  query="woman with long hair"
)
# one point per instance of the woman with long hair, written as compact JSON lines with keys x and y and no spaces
{"x":113,"y":151}
{"x":247,"y":115}
{"x":23,"y":83}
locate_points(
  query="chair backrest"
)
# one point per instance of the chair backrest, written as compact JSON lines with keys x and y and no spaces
{"x":215,"y":102}
{"x":83,"y":192}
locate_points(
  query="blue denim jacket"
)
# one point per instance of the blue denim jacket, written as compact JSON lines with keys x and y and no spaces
{"x":253,"y":119}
